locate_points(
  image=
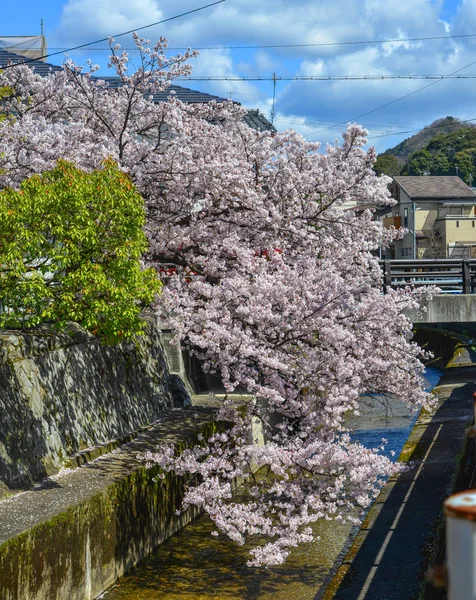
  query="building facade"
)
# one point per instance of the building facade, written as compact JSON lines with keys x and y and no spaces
{"x":439,"y":214}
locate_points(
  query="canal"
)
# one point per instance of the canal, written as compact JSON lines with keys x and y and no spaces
{"x":193,"y":565}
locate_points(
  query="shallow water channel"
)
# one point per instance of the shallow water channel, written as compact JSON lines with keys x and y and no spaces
{"x":193,"y":565}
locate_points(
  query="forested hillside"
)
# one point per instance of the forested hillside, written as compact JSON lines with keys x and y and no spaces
{"x":435,"y":150}
{"x":451,"y":154}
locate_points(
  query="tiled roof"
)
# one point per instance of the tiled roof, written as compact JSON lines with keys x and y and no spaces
{"x":42,"y":68}
{"x":253,"y":119}
{"x":182,"y":93}
{"x":429,"y":186}
{"x":257,"y":120}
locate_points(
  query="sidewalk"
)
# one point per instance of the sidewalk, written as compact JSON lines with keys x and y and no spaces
{"x":390,"y":555}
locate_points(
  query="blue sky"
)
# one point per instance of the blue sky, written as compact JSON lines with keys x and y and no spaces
{"x":318,"y":109}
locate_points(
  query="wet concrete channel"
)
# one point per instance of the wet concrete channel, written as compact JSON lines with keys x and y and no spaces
{"x":194,"y":565}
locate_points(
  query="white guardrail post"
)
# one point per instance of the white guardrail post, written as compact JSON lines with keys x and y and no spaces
{"x":460,"y":511}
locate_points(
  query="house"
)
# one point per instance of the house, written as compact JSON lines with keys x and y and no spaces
{"x":254,"y":118}
{"x":439,"y":213}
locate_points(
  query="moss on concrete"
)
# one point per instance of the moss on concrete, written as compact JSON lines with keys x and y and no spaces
{"x":120,"y":512}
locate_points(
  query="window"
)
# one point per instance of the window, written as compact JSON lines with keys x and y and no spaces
{"x":405,"y":218}
{"x":472,"y":223}
{"x":403,"y":252}
{"x":457,"y":223}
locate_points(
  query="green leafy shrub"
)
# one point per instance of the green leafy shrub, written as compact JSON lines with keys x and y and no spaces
{"x":70,"y":248}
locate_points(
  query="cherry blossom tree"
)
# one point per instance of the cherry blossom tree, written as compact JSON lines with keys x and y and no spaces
{"x":270,"y":280}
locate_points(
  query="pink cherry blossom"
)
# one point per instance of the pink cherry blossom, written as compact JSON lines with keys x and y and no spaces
{"x":271,"y":281}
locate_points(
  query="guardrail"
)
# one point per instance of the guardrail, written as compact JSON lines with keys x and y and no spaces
{"x":452,"y":275}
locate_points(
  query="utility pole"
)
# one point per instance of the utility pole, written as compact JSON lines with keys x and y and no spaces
{"x":44,"y":49}
{"x":231,"y":94}
{"x":274,"y":98}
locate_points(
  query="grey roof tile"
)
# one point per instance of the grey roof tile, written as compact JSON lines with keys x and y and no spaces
{"x":435,"y":186}
{"x":42,"y":68}
{"x":257,"y":120}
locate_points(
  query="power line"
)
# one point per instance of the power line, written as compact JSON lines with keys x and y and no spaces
{"x":275,"y":78}
{"x":425,"y":128}
{"x":396,"y":100}
{"x":376,"y":127}
{"x":295,"y":119}
{"x":184,"y":14}
{"x":316,"y":45}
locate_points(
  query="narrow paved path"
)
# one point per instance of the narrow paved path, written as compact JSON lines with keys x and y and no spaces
{"x":390,"y":555}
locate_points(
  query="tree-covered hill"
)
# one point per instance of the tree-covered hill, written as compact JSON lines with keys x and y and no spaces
{"x":397,"y":160}
{"x":450,"y":154}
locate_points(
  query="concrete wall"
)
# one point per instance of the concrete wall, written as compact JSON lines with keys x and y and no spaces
{"x":60,"y":394}
{"x":457,"y":308}
{"x":74,"y":538}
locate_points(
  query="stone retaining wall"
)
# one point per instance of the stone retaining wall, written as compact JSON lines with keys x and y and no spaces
{"x":60,"y":394}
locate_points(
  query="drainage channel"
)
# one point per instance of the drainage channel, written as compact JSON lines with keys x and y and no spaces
{"x":193,"y":565}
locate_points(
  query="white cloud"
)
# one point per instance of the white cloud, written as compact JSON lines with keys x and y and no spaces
{"x":247,"y":22}
{"x":220,"y":64}
{"x":87,"y":19}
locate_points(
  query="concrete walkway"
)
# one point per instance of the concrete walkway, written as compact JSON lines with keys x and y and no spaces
{"x":391,"y":553}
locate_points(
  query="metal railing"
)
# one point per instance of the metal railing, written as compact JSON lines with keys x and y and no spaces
{"x":451,"y":275}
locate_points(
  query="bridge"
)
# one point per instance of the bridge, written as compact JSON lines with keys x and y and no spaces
{"x":456,"y":278}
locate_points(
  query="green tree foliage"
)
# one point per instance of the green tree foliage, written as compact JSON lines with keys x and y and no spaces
{"x":446,"y":155}
{"x":5,"y":92}
{"x":70,"y":248}
{"x":419,"y":164}
{"x":387,"y":164}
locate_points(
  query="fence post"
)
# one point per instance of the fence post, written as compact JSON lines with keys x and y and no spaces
{"x":474,"y":404}
{"x":387,"y":275}
{"x":466,"y":277}
{"x":460,"y":512}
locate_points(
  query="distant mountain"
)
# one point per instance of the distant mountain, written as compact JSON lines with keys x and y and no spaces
{"x":394,"y":160}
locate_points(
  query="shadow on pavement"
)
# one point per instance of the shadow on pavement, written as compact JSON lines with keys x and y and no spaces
{"x":394,"y":552}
